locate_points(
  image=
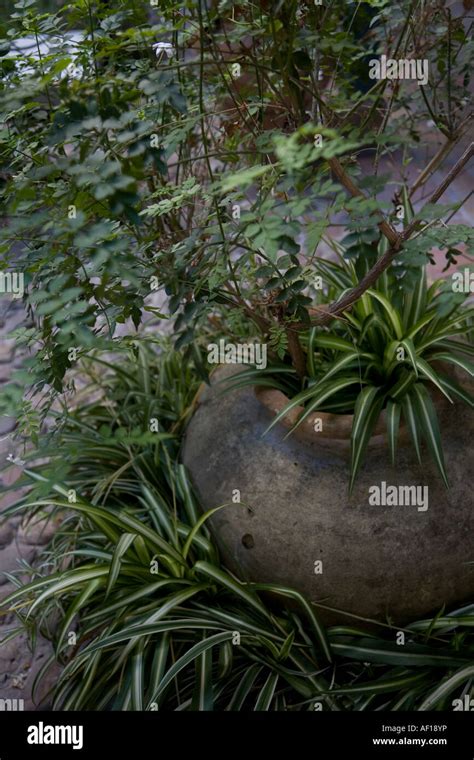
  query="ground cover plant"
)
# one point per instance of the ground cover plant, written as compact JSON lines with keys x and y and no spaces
{"x":142,"y":613}
{"x":189,"y":168}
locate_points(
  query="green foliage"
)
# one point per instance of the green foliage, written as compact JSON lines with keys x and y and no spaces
{"x":278,"y":342}
{"x":121,"y":171}
{"x":189,"y":636}
{"x":135,"y":186}
{"x":385,"y":354}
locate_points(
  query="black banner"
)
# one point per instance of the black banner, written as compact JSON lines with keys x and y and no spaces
{"x":126,"y":735}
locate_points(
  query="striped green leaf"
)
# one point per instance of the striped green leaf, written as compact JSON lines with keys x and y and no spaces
{"x":137,"y":681}
{"x":446,"y":688}
{"x":452,"y":387}
{"x":267,"y":692}
{"x":316,"y":626}
{"x":244,"y":687}
{"x":323,"y":392}
{"x":124,"y":543}
{"x":367,"y":411}
{"x":458,"y":361}
{"x":367,"y":324}
{"x":225,"y":580}
{"x":203,"y":697}
{"x":419,"y":325}
{"x":241,"y":622}
{"x":197,"y":527}
{"x":383,"y":326}
{"x":410,"y":655}
{"x":66,"y":582}
{"x":389,"y":353}
{"x":195,"y":651}
{"x":286,"y":646}
{"x":327,"y":340}
{"x":391,"y":312}
{"x":384,"y":685}
{"x":407,"y":344}
{"x":158,"y":665}
{"x":415,"y":302}
{"x":352,"y":319}
{"x":429,"y":422}
{"x":140,"y":630}
{"x":342,"y":363}
{"x":153,"y":500}
{"x":458,"y":346}
{"x":326,"y":391}
{"x":175,"y":600}
{"x":429,"y":373}
{"x":311,"y":365}
{"x":403,"y":385}
{"x":76,"y":606}
{"x":393,"y":411}
{"x":144,"y":591}
{"x":412,"y":423}
{"x":333,"y":274}
{"x":226,"y":660}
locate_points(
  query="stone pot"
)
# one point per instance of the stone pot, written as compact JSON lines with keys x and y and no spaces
{"x":297,"y":526}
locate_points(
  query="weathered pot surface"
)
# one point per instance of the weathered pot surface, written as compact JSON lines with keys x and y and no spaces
{"x":296,"y":524}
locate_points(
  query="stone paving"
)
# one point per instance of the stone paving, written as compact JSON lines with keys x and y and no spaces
{"x":18,"y":543}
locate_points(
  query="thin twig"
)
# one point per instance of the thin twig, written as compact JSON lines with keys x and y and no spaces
{"x":345,"y":303}
{"x":390,"y":233}
{"x":439,"y":157}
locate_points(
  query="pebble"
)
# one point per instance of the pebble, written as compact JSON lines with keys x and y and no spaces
{"x":7,"y":424}
{"x":6,"y":534}
{"x":11,"y":556}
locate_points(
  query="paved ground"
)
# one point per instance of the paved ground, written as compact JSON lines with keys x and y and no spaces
{"x":18,"y":543}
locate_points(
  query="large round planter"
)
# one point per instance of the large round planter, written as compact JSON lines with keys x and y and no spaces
{"x":296,"y":524}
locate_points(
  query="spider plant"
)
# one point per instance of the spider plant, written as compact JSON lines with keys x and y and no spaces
{"x":147,"y":617}
{"x":390,"y":352}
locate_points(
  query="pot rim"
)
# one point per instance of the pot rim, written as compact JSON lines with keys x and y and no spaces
{"x":336,"y":427}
